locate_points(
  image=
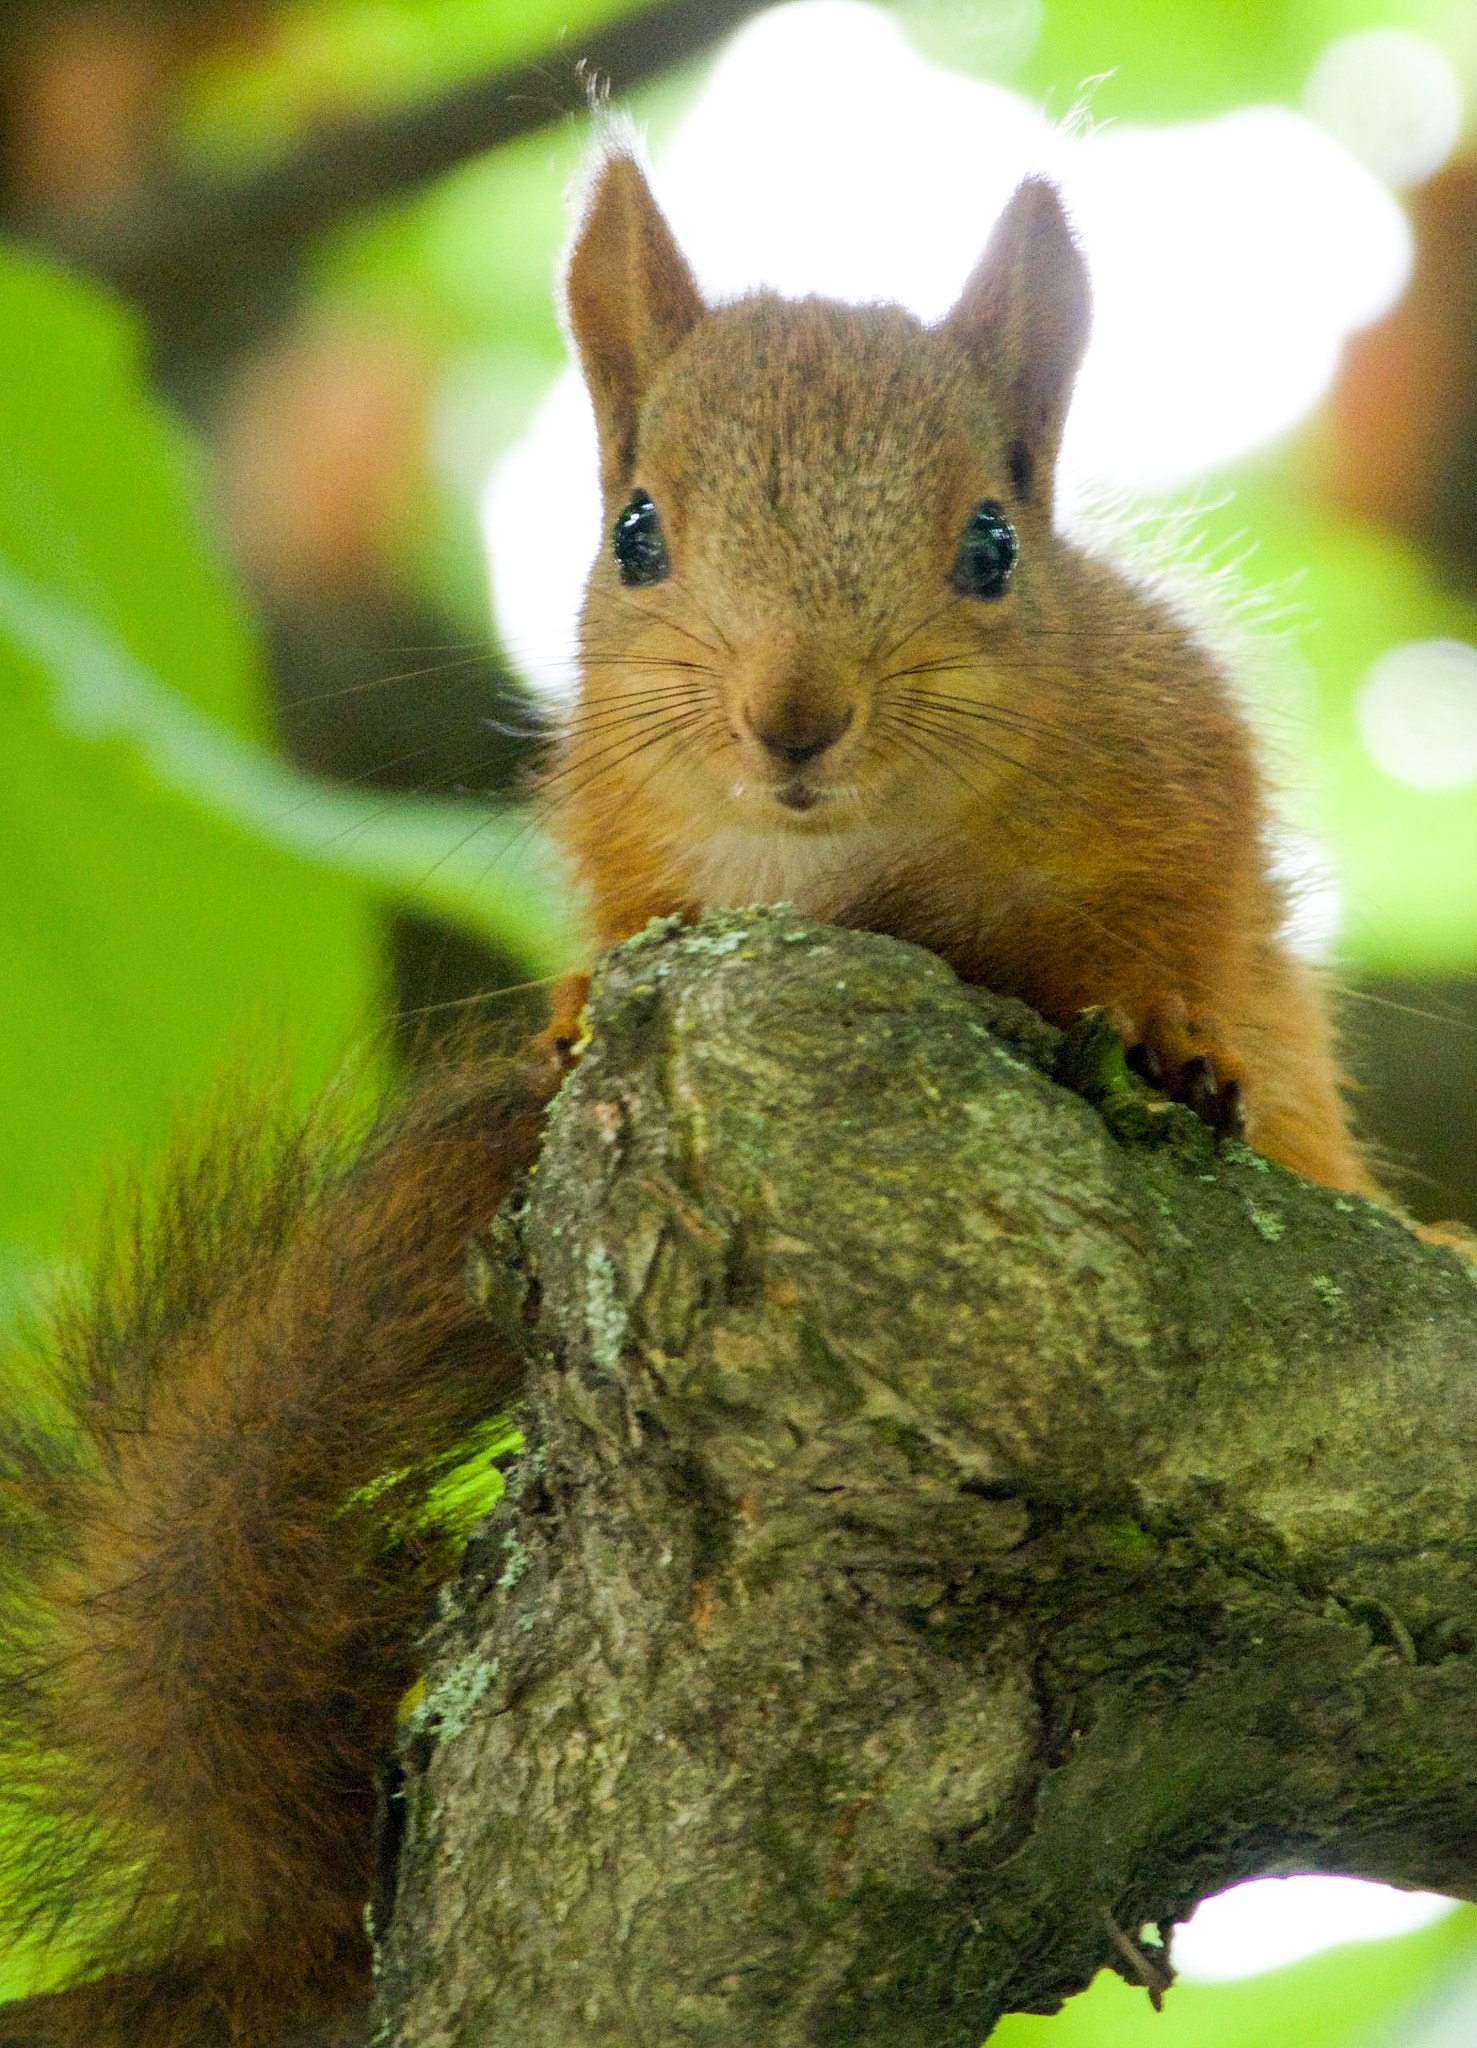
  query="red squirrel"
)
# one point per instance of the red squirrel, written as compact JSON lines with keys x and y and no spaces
{"x":835,"y":651}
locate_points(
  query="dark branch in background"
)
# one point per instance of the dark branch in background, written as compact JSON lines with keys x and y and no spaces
{"x":214,"y":267}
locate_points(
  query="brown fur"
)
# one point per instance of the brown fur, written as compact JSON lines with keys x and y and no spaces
{"x":204,"y":1677}
{"x":217,"y":1569}
{"x":1057,"y":791}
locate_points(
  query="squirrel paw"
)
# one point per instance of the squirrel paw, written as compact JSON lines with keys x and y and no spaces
{"x":1104,"y":1059}
{"x":558,"y":1044}
{"x":1175,"y":1055}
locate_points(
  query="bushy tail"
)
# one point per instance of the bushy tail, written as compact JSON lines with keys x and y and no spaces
{"x":216,"y":1559}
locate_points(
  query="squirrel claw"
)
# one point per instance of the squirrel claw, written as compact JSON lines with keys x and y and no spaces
{"x":1232,"y":1119}
{"x":1198,"y":1089}
{"x":558,"y":1045}
{"x":1091,"y":1062}
{"x":1144,"y":1061}
{"x":1219,"y":1103}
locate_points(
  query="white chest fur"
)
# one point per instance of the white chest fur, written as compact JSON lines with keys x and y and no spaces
{"x":820,"y":872}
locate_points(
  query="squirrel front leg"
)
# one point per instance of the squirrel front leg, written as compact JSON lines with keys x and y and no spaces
{"x":1211,"y":1006}
{"x":557,"y":1041}
{"x":626,"y":897}
{"x":1253,"y":1055}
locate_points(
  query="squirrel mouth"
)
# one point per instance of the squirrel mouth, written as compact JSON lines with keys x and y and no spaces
{"x":797,"y":796}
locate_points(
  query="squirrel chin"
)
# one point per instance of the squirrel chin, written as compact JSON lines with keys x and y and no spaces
{"x":801,"y":806}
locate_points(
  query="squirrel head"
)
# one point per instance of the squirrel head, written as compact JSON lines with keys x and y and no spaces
{"x":807,"y":504}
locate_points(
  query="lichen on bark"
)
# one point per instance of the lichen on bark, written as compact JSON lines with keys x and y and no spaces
{"x":954,"y":1535}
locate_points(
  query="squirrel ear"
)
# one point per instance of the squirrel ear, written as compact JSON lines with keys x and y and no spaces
{"x":630,"y":299}
{"x":1024,"y":316}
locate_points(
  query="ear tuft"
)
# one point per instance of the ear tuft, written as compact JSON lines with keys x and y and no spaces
{"x":630,"y":299}
{"x":1023,"y":317}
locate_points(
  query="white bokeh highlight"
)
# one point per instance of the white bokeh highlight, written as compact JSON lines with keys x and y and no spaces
{"x":540,"y":517}
{"x":1277,"y":1920}
{"x":1391,"y":98}
{"x":1230,"y":258}
{"x":1417,"y":714}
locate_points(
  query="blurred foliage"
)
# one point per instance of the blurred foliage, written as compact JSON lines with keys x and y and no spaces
{"x":327,"y":54}
{"x":175,"y":900}
{"x":1142,"y":62}
{"x":1338,"y":595}
{"x":146,"y":942}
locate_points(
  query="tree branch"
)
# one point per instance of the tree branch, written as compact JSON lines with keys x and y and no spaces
{"x":952,"y":1537}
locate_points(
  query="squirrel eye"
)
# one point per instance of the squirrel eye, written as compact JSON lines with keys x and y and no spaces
{"x":987,"y":552}
{"x":638,"y":544}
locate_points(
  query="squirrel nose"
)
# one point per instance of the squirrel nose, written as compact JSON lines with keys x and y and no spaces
{"x":796,"y":740}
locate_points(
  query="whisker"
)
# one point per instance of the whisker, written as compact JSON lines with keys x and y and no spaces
{"x":546,"y":732}
{"x":939,"y":752}
{"x":959,"y":716}
{"x":921,"y":750}
{"x":622,"y":750}
{"x":970,"y":742}
{"x":447,"y":669}
{"x":564,"y":797}
{"x":969,"y":667}
{"x":1347,"y":992}
{"x":486,"y":995}
{"x":478,"y":826}
{"x":434,"y":646}
{"x":1008,"y":718}
{"x":667,"y":761}
{"x":621,"y":698}
{"x":602,"y":717}
{"x":699,"y":668}
{"x":975,"y":744}
{"x":708,"y":618}
{"x":658,"y":620}
{"x":371,"y":775}
{"x":401,"y":798}
{"x":963,"y":728}
{"x":619,"y":701}
{"x":686,"y":708}
{"x":948,"y":605}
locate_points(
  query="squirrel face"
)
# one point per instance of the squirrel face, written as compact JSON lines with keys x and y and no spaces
{"x":831,"y":579}
{"x":835,"y":652}
{"x":802,"y":506}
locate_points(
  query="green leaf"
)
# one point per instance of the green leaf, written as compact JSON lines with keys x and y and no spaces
{"x":1148,"y":63}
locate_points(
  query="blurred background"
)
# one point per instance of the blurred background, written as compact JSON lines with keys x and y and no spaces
{"x":296,"y":495}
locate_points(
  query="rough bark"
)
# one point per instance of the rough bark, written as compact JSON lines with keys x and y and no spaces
{"x":953,"y":1534}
